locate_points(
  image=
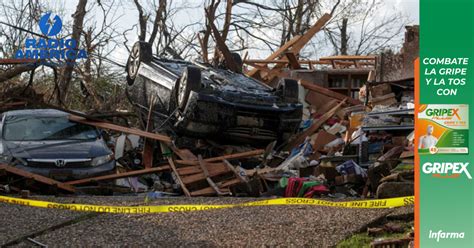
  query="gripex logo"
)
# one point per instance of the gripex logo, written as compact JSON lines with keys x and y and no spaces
{"x":50,"y":29}
{"x":51,"y":48}
{"x":446,"y":170}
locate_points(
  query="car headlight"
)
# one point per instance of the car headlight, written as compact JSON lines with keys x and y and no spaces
{"x":102,"y":159}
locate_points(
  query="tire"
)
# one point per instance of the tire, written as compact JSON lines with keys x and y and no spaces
{"x":189,"y":81}
{"x":141,"y":52}
{"x":290,"y":90}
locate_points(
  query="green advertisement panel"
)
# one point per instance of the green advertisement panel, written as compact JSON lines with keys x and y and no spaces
{"x":446,"y":211}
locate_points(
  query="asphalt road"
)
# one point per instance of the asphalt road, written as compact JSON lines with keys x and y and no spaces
{"x":235,"y":227}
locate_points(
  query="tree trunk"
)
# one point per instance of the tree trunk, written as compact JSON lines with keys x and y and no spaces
{"x":142,"y":19}
{"x":344,"y":37}
{"x":76,"y":35}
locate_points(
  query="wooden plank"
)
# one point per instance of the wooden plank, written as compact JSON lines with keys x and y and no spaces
{"x":36,"y":177}
{"x":349,"y":57}
{"x":293,"y":61}
{"x":186,"y":154}
{"x":120,"y":175}
{"x":277,"y":53}
{"x":208,"y":177}
{"x":328,"y":106}
{"x":300,"y":138}
{"x":110,"y":126}
{"x":229,"y":183}
{"x":328,"y":92}
{"x":195,"y":169}
{"x":262,"y":62}
{"x":306,"y":37}
{"x":178,"y":177}
{"x":227,"y":157}
{"x":202,"y":175}
{"x":208,"y":191}
{"x":236,"y":173}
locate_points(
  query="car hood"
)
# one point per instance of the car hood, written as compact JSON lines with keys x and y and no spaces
{"x":56,"y":149}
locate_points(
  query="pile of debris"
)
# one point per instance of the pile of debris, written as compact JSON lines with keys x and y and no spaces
{"x":337,"y":152}
{"x":355,"y":140}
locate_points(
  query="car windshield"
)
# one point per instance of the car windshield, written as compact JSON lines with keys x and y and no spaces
{"x":37,"y":128}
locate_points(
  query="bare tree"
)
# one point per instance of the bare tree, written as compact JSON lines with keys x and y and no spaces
{"x":357,"y":29}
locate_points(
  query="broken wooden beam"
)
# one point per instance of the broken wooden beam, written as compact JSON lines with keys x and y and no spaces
{"x":178,"y":177}
{"x":306,"y":37}
{"x":328,"y":92}
{"x":349,"y":57}
{"x":216,"y":169}
{"x":293,"y":61}
{"x":36,"y":177}
{"x":262,"y":62}
{"x":277,"y":53}
{"x":118,"y":128}
{"x":225,"y":157}
{"x":207,"y":176}
{"x":212,"y":170}
{"x":119,"y":175}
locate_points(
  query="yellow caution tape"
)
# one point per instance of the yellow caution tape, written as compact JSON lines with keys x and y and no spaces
{"x":382,"y":203}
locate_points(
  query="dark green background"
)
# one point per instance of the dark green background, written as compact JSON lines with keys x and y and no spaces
{"x":446,"y":30}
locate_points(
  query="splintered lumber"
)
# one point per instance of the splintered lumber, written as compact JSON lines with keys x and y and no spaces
{"x":178,"y":177}
{"x":207,"y":191}
{"x":349,"y":57}
{"x":36,"y":177}
{"x":208,"y":176}
{"x":300,"y":138}
{"x":277,"y":53}
{"x":216,"y":168}
{"x":118,"y":128}
{"x":306,"y":37}
{"x":184,"y":154}
{"x":225,"y":157}
{"x":210,"y":170}
{"x":328,"y":92}
{"x":237,"y":174}
{"x":223,"y":188}
{"x":119,"y":175}
{"x":293,"y":61}
{"x":294,"y":45}
{"x":303,"y":62}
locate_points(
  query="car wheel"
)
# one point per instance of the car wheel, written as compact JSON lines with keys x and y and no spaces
{"x":141,"y":52}
{"x":189,"y":81}
{"x":290,"y":90}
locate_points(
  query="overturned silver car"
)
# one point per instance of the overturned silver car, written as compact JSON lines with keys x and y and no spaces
{"x":204,"y":101}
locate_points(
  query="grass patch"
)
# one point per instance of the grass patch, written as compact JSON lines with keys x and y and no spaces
{"x":363,"y":240}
